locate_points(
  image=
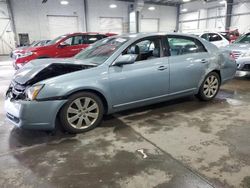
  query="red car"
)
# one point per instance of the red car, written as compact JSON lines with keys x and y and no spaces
{"x":231,"y":36}
{"x":61,"y":47}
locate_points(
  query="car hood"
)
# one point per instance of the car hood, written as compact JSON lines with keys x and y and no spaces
{"x":42,"y":69}
{"x":237,"y":47}
{"x":36,"y":48}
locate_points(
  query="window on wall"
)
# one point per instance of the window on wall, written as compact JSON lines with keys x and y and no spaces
{"x":184,"y":45}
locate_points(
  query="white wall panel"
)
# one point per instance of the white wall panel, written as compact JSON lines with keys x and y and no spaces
{"x":112,"y":25}
{"x":31,"y":16}
{"x":165,"y":14}
{"x":241,"y":23}
{"x":60,"y":25}
{"x":189,"y":26}
{"x":149,"y":25}
{"x":7,"y":42}
{"x":241,"y":8}
{"x":189,"y":16}
{"x":98,"y":9}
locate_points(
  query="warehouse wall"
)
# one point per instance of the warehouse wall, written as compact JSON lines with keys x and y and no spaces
{"x":31,"y":16}
{"x":96,"y":9}
{"x":7,"y":42}
{"x":100,"y":8}
{"x":241,"y":17}
{"x":202,"y":17}
{"x":167,"y":16}
{"x":211,"y":16}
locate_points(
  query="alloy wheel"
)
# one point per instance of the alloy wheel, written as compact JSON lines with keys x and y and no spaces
{"x":82,"y":112}
{"x":211,"y":86}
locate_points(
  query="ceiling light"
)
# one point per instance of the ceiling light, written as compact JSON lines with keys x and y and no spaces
{"x":223,"y":2}
{"x":185,"y":1}
{"x":112,"y":6}
{"x":151,"y":8}
{"x":184,"y":10}
{"x":64,"y":2}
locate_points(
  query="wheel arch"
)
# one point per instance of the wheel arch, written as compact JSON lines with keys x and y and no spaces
{"x":218,"y":72}
{"x":203,"y":79}
{"x":98,"y":93}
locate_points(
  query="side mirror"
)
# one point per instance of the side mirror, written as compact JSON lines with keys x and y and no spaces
{"x":125,"y":59}
{"x":63,"y":45}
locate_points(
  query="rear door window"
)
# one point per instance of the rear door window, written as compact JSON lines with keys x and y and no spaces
{"x":181,"y":45}
{"x":89,"y":39}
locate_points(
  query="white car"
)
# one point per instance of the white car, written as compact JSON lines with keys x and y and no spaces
{"x":216,"y":38}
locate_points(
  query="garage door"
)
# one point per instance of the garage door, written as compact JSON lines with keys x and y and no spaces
{"x":149,"y":25}
{"x":59,"y":25}
{"x":113,"y":25}
{"x":7,"y":42}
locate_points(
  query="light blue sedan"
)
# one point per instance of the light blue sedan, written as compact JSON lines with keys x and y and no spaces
{"x":114,"y":74}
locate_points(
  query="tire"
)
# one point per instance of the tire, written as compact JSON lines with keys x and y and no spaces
{"x":209,"y":87}
{"x":82,"y":112}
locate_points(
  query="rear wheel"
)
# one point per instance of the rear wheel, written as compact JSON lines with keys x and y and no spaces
{"x":82,"y":112}
{"x":210,"y":87}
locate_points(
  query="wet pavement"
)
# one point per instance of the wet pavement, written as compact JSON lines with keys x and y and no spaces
{"x":183,"y":143}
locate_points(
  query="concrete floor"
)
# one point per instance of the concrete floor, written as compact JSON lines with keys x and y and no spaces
{"x":183,"y":143}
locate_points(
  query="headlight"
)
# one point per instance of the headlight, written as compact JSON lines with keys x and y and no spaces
{"x":33,"y":91}
{"x":26,"y":54}
{"x":247,"y":54}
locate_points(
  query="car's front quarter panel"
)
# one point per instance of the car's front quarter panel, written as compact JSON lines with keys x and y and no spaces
{"x":63,"y":86}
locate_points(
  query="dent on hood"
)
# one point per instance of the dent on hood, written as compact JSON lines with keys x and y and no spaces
{"x":28,"y":77}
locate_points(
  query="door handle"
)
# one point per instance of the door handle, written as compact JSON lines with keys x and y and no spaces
{"x":204,"y":61}
{"x":162,"y":68}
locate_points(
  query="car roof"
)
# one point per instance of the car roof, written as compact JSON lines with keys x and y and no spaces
{"x":89,"y":33}
{"x":142,"y":35}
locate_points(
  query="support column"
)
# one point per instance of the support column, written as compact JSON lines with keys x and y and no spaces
{"x":229,"y":8}
{"x":137,"y":18}
{"x":177,"y":17}
{"x":86,"y":14}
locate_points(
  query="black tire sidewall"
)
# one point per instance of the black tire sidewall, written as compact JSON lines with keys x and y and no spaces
{"x":63,"y":112}
{"x":201,"y":93}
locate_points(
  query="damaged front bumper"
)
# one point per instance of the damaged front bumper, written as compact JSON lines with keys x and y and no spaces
{"x":40,"y":115}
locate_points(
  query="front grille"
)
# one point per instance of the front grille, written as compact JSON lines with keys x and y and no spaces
{"x":16,"y":91}
{"x":236,"y":54}
{"x":246,"y":67}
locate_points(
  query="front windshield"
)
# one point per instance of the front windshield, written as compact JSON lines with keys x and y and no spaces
{"x":100,"y":51}
{"x":245,"y":39}
{"x":56,"y":40}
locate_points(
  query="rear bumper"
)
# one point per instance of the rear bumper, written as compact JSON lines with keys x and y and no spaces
{"x":240,"y":73}
{"x":40,"y":115}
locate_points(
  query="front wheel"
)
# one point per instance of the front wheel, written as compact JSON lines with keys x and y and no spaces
{"x":209,"y":87}
{"x":82,"y":112}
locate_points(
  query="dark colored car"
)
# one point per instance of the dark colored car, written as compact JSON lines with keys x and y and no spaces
{"x":61,"y":47}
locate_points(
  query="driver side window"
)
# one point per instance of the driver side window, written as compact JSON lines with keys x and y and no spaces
{"x":145,"y":49}
{"x":68,"y":41}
